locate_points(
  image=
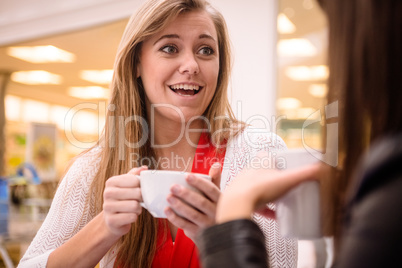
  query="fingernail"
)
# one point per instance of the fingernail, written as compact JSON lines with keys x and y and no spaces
{"x":176,"y":189}
{"x":190,"y":178}
{"x":216,"y":165}
{"x":168,"y":212}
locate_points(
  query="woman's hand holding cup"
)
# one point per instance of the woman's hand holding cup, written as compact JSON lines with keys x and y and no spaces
{"x":193,"y":211}
{"x":122,"y":198}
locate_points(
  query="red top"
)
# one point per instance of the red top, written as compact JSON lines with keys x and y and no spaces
{"x":183,"y":253}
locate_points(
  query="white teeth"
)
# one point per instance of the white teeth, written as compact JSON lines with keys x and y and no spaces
{"x":185,"y":87}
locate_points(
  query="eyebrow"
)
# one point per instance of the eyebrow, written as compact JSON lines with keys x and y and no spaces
{"x":207,"y":36}
{"x":169,"y":36}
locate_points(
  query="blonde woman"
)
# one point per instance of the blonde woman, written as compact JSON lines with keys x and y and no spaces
{"x":171,"y":73}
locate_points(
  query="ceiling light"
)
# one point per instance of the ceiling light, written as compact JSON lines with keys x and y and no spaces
{"x":93,"y":92}
{"x":36,"y":78}
{"x":41,"y":54}
{"x":97,"y":76}
{"x":285,"y":26}
{"x":296,"y":47}
{"x":318,"y":90}
{"x":307,"y":73}
{"x":288,"y":103}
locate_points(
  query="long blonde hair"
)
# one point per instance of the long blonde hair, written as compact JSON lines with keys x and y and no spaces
{"x":137,"y":248}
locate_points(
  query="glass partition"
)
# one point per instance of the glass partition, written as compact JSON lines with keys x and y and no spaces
{"x":302,"y":72}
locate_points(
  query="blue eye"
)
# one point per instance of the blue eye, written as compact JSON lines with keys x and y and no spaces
{"x":169,"y":49}
{"x":206,"y":51}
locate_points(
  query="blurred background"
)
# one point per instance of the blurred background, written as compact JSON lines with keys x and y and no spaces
{"x":56,"y":61}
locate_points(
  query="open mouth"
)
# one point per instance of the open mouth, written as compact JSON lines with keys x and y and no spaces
{"x":185,"y":90}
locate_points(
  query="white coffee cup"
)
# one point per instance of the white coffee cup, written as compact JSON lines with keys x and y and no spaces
{"x":298,"y":212}
{"x":155,"y":188}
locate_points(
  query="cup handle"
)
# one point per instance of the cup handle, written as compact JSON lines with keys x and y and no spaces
{"x":141,"y":203}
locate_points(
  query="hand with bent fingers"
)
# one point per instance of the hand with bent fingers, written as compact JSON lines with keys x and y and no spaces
{"x":122,"y":197}
{"x":192,"y":211}
{"x":254,"y":188}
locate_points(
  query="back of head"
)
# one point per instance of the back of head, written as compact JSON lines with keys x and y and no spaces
{"x":365,"y":58}
{"x":365,"y":62}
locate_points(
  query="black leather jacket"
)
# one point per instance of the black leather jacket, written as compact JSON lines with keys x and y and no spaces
{"x":372,"y":234}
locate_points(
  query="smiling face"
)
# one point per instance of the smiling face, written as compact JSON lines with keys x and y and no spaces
{"x":179,"y":67}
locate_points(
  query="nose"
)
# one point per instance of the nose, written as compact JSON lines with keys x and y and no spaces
{"x":189,"y":64}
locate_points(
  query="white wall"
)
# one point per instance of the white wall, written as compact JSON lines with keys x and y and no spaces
{"x":252,"y":26}
{"x":21,"y":20}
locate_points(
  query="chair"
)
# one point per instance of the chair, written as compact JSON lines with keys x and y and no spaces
{"x":4,"y":216}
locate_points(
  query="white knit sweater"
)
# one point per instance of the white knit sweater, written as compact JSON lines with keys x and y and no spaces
{"x":70,"y":212}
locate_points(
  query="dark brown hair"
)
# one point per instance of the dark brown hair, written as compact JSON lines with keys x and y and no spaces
{"x":365,"y":63}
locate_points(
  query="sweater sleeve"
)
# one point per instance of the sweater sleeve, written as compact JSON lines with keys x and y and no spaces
{"x":68,"y":213}
{"x":241,"y":153}
{"x":238,"y":243}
